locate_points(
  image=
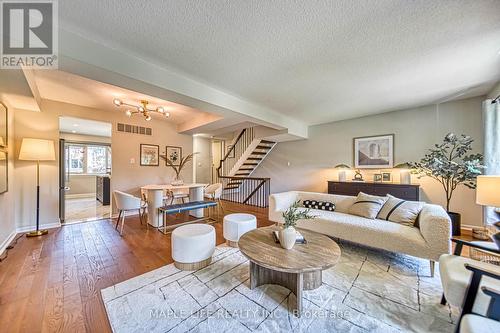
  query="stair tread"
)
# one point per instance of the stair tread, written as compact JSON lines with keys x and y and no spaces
{"x":259,"y":153}
{"x":267,"y":141}
{"x":263,"y":147}
{"x":254,"y":158}
{"x":249,"y":163}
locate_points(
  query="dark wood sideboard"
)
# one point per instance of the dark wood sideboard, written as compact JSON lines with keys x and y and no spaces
{"x":103,"y":190}
{"x":402,"y":191}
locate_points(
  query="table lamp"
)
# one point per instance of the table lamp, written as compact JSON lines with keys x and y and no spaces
{"x":404,"y":173}
{"x":342,"y":171}
{"x":37,"y":150}
{"x":487,"y":194}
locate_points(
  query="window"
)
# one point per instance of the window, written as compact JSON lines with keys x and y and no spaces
{"x":89,"y":159}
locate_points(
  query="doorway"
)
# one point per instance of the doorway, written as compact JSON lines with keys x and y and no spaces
{"x":217,"y":155}
{"x":84,"y":170}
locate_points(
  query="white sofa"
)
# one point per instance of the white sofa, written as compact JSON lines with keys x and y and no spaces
{"x":429,"y":241}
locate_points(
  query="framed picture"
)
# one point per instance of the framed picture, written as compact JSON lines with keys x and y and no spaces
{"x":377,"y":177}
{"x":230,"y":151}
{"x":150,"y":155}
{"x":174,"y":154}
{"x":386,"y":176}
{"x":4,"y":165}
{"x":374,"y":152}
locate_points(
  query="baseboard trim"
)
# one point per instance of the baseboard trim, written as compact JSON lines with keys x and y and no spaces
{"x":80,"y":196}
{"x":42,"y":226}
{"x":7,"y":241}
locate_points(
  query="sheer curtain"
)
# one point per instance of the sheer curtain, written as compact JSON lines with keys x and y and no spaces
{"x":491,"y":118}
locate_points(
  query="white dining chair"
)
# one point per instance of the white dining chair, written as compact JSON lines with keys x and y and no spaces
{"x":214,"y":192}
{"x":126,"y":203}
{"x":177,"y":195}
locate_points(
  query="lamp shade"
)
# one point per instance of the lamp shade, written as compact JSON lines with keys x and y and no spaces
{"x":404,"y":165}
{"x":342,"y":166}
{"x":37,"y":150}
{"x":487,"y":191}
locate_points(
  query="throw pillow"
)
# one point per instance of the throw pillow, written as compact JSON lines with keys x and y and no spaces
{"x":323,"y":205}
{"x":367,"y":205}
{"x":400,"y":211}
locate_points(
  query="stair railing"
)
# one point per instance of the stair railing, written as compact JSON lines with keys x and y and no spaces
{"x":246,"y":190}
{"x":249,"y":191}
{"x":235,"y":151}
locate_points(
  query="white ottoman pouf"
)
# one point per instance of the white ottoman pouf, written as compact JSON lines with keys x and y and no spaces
{"x":235,"y":225}
{"x":193,"y":246}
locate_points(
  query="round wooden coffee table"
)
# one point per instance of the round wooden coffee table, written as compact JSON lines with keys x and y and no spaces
{"x":297,"y":269}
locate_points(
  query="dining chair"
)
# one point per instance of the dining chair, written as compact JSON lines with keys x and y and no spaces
{"x":214,"y":192}
{"x":126,"y":203}
{"x":177,"y":195}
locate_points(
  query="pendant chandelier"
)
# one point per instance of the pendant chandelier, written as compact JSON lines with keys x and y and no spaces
{"x":141,"y":109}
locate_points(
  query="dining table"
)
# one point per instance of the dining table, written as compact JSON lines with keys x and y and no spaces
{"x":155,"y":194}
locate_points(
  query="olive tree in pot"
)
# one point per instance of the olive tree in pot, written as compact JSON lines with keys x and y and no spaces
{"x":287,"y":234}
{"x":451,"y":164}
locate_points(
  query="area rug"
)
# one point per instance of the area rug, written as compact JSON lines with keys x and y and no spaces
{"x":368,"y":290}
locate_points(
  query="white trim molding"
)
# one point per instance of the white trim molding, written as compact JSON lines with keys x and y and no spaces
{"x":42,"y":226}
{"x":7,"y":241}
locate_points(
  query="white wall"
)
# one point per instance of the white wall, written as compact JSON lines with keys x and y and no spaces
{"x":202,"y":161}
{"x":495,"y":91}
{"x":416,"y":130}
{"x":126,"y":176}
{"x":7,"y":201}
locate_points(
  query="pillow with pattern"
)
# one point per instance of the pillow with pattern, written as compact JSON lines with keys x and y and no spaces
{"x":322,"y":205}
{"x":401,"y":211}
{"x":367,"y":205}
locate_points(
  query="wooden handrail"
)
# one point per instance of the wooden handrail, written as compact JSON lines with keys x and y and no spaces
{"x":243,"y":177}
{"x":232,"y":147}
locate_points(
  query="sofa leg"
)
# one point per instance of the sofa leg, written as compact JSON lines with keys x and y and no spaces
{"x":432,"y":264}
{"x":443,"y":300}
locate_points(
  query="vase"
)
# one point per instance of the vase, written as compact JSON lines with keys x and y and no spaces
{"x":288,"y":236}
{"x":177,"y":181}
{"x":456,"y":223}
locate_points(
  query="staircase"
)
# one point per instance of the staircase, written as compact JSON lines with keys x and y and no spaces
{"x":250,"y":160}
{"x":241,"y":160}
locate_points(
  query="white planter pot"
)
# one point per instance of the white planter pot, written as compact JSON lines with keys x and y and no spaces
{"x":287,"y":237}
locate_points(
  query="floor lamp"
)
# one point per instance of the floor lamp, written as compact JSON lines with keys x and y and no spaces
{"x":487,"y":194}
{"x":37,"y":150}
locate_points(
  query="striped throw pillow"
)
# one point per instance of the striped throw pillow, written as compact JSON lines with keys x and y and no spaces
{"x":367,"y":205}
{"x":400,"y":211}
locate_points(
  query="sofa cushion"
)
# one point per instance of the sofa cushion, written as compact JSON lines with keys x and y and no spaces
{"x":400,"y":211}
{"x":322,"y":205}
{"x":376,"y":233}
{"x":367,"y":205}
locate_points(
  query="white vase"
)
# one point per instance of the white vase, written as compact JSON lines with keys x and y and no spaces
{"x":287,"y":237}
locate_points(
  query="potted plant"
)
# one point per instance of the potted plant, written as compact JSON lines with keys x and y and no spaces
{"x":450,"y":164}
{"x":178,"y":168}
{"x":287,"y":234}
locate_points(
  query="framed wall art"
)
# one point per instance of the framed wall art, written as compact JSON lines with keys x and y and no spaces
{"x":150,"y":155}
{"x":174,"y":154}
{"x":374,"y":152}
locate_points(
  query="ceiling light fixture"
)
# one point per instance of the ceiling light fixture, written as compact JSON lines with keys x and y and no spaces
{"x":142,"y":109}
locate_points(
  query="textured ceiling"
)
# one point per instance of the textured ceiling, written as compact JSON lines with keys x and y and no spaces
{"x":317,"y":61}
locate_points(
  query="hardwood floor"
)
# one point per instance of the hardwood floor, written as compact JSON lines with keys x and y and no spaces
{"x":53,"y":283}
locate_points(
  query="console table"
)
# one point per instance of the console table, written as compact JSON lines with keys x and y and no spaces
{"x":402,"y":191}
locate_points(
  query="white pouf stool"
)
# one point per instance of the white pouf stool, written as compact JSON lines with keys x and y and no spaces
{"x":193,"y":246}
{"x":235,"y":225}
